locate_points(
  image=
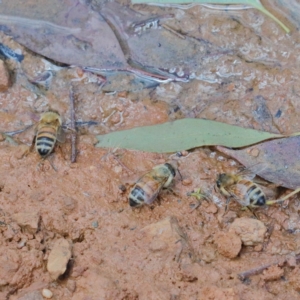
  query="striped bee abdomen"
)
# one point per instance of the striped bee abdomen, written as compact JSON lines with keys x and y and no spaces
{"x":45,"y":141}
{"x":254,"y":194}
{"x":137,"y":196}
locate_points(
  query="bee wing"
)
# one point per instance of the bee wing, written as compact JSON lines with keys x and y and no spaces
{"x":155,"y":185}
{"x":238,"y":192}
{"x":61,"y":135}
{"x":250,"y":172}
{"x":154,"y":196}
{"x":247,"y":174}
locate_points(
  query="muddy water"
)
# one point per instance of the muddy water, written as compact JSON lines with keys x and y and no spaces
{"x":120,"y":253}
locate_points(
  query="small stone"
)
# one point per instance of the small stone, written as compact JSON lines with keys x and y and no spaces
{"x":254,"y":152}
{"x":27,"y":220}
{"x":187,"y":181}
{"x":184,"y":153}
{"x":229,"y":244}
{"x":4,"y":77}
{"x":95,"y":224}
{"x":47,"y":293}
{"x":58,"y":258}
{"x":2,"y":137}
{"x":250,"y":231}
{"x":272,"y":273}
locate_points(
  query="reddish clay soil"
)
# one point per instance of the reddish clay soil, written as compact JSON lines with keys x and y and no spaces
{"x":68,"y":228}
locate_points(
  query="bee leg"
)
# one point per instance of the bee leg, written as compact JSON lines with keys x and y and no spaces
{"x":227,"y":203}
{"x":32,"y":144}
{"x":179,"y":174}
{"x":199,"y":196}
{"x":50,"y":159}
{"x":271,"y":202}
{"x":253,"y":213}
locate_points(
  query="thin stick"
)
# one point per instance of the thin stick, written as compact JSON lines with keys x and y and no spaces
{"x":73,"y":127}
{"x":244,"y":275}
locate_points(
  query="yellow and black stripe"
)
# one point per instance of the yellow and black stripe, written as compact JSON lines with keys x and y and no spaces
{"x":254,"y":193}
{"x":45,"y":141}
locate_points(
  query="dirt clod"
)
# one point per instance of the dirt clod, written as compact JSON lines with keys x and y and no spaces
{"x":58,"y":258}
{"x":229,"y":244}
{"x":272,"y":273}
{"x":250,"y":231}
{"x":27,"y":220}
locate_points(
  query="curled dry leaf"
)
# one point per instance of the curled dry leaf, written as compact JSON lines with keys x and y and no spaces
{"x":276,"y":161}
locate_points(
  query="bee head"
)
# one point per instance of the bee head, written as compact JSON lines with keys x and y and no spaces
{"x":220,"y":179}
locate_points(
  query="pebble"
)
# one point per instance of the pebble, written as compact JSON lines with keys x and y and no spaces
{"x":228,"y":244}
{"x":250,"y":231}
{"x":4,"y":77}
{"x":58,"y":258}
{"x":187,"y":181}
{"x":47,"y":293}
{"x":95,"y":224}
{"x":254,"y":152}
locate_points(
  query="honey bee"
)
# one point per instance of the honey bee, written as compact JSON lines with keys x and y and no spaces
{"x":147,"y":188}
{"x":48,"y":131}
{"x":242,"y":189}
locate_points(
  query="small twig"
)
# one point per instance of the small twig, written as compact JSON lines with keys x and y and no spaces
{"x":73,"y":131}
{"x":244,"y":275}
{"x":11,"y":133}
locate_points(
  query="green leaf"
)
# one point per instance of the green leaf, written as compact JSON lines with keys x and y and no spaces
{"x":183,"y":135}
{"x":255,"y":3}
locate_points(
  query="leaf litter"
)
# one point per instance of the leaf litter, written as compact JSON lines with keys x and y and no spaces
{"x":280,"y":159}
{"x":73,"y":32}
